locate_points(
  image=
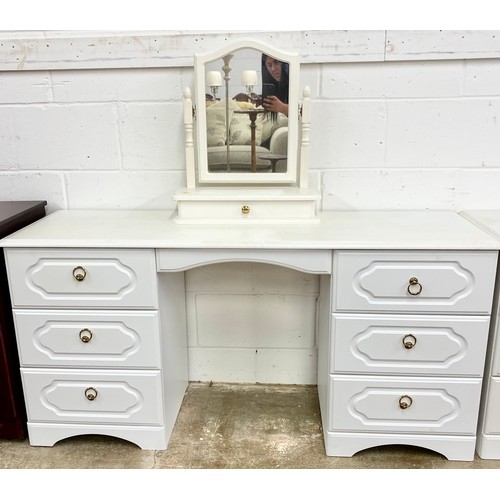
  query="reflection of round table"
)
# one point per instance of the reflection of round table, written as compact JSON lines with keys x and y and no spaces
{"x":273,"y":158}
{"x":252,"y":114}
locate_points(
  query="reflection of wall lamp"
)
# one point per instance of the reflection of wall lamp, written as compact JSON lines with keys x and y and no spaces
{"x":249,"y":79}
{"x":214,"y":81}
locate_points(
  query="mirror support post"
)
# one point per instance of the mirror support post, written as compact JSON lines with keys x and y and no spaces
{"x":226,"y":68}
{"x":188,"y":131}
{"x":305,"y":120}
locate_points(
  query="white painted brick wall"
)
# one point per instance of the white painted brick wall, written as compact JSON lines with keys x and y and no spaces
{"x":252,"y":322}
{"x":68,"y":137}
{"x":408,"y":135}
{"x":401,"y":120}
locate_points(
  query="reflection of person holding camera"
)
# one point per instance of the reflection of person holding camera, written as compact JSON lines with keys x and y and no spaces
{"x":274,"y":86}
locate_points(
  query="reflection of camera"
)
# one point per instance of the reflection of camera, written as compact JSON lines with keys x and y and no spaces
{"x":268,"y":89}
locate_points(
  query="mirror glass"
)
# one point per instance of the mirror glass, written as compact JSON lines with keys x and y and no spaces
{"x":247,"y":111}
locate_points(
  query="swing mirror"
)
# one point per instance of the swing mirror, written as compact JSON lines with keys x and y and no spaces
{"x":247,"y":115}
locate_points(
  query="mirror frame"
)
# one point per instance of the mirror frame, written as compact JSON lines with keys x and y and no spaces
{"x":291,"y":174}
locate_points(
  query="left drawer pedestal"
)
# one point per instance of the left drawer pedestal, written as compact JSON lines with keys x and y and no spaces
{"x":88,"y":328}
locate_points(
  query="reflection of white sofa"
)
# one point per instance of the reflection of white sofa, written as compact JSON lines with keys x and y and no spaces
{"x":240,"y":138}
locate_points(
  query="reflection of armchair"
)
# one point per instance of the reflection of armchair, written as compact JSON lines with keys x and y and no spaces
{"x":279,"y":146}
{"x":240,"y":138}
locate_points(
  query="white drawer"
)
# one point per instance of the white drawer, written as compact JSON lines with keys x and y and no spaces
{"x":82,"y":278}
{"x":458,"y":282}
{"x":248,"y":209}
{"x":438,"y":405}
{"x":124,"y":397}
{"x":433,"y":345}
{"x":88,"y":338}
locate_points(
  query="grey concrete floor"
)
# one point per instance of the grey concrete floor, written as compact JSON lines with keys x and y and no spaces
{"x":230,"y":426}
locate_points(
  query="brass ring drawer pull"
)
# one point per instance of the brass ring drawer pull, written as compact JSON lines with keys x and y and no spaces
{"x":409,"y":341}
{"x":90,"y":393}
{"x":245,"y":209}
{"x":405,"y":402}
{"x":414,"y":287}
{"x":85,"y":335}
{"x":79,"y":273}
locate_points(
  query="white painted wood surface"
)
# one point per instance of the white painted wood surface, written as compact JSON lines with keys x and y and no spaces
{"x":487,"y":220}
{"x":46,"y":278}
{"x":448,"y":282}
{"x":123,"y":396}
{"x":411,"y":230}
{"x":44,"y":50}
{"x":117,"y":339}
{"x":442,"y":345}
{"x":84,"y":50}
{"x":176,"y":260}
{"x":441,"y":44}
{"x":370,"y":404}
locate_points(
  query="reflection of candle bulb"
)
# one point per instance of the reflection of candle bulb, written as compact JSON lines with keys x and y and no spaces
{"x":249,"y":77}
{"x":214,"y":79}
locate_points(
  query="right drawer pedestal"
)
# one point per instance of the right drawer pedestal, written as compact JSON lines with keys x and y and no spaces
{"x":406,"y":344}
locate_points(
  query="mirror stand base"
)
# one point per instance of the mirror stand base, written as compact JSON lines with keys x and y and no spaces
{"x":266,"y":205}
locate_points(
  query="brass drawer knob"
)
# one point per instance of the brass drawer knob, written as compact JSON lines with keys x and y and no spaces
{"x":90,"y":393}
{"x":409,"y":341}
{"x":405,"y":402}
{"x":79,"y":273}
{"x":245,"y":209}
{"x":85,"y":335}
{"x":414,"y":287}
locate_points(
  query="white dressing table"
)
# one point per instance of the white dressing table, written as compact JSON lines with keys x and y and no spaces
{"x":98,"y":300}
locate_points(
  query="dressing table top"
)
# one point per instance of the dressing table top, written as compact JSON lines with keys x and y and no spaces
{"x":488,"y":220}
{"x":390,"y":230}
